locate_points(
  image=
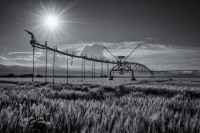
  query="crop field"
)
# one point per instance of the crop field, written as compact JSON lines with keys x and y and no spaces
{"x":144,"y":106}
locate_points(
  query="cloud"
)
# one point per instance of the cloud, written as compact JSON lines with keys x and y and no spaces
{"x":168,"y":58}
{"x":21,"y":58}
{"x":117,"y":49}
{"x":95,"y":50}
{"x":19,"y":61}
{"x":76,"y":47}
{"x":151,"y":38}
{"x":11,"y":53}
{"x":154,"y":55}
{"x":123,"y":45}
{"x":25,"y":54}
{"x":156,"y":46}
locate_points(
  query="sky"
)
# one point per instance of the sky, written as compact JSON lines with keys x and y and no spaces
{"x":167,"y":32}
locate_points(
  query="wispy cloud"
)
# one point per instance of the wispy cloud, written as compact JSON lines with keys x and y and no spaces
{"x":123,"y":45}
{"x":11,"y":53}
{"x":19,"y":61}
{"x":151,"y":38}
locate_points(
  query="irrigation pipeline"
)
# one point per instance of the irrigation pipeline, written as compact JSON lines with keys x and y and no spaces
{"x":131,"y":66}
{"x":40,"y":46}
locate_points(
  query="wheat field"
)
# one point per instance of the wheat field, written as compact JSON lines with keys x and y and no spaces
{"x":163,"y":106}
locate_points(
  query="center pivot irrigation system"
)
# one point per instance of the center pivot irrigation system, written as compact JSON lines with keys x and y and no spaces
{"x":120,"y":65}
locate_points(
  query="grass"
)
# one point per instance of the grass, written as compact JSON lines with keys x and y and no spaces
{"x":139,"y":107}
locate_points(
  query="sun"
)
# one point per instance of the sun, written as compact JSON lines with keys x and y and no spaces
{"x":52,"y":21}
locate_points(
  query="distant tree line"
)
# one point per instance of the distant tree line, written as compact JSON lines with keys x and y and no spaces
{"x":103,"y":76}
{"x":20,"y":76}
{"x":11,"y":75}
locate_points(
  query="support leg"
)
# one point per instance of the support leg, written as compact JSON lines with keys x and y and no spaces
{"x":107,"y":70}
{"x":133,"y":78}
{"x":111,"y":78}
{"x":152,"y":75}
{"x":113,"y":67}
{"x":94,"y":69}
{"x":84,"y":69}
{"x":82,"y":72}
{"x":54,"y":64}
{"x":101,"y":69}
{"x":46,"y":63}
{"x":33,"y":65}
{"x":67,"y":70}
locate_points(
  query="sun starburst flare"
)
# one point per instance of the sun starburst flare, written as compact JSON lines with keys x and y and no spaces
{"x":50,"y":20}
